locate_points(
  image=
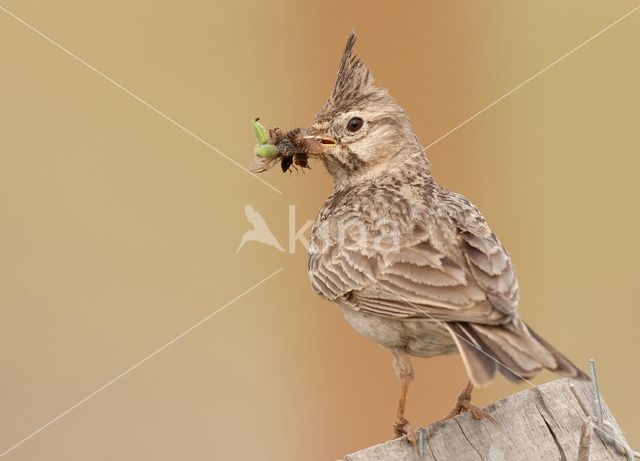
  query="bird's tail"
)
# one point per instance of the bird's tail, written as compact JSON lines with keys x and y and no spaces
{"x":514,"y":350}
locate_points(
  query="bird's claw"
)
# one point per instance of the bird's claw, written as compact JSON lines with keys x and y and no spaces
{"x":401,"y":427}
{"x":462,"y":406}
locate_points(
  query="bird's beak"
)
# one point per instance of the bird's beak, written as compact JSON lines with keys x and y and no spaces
{"x":320,"y":139}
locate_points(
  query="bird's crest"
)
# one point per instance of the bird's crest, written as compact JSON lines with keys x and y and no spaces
{"x":353,"y":75}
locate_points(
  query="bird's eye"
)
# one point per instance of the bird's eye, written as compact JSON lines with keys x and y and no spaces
{"x":354,"y":124}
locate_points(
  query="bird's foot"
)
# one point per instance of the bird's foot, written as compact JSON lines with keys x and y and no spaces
{"x":401,"y":428}
{"x":478,"y":413}
{"x":464,"y":404}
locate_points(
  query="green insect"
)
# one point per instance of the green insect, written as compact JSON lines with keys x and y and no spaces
{"x":263,"y":149}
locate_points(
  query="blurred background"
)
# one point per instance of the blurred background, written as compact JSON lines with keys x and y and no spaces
{"x":118,"y":230}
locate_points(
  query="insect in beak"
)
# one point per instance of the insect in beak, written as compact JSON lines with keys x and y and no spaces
{"x":290,"y":149}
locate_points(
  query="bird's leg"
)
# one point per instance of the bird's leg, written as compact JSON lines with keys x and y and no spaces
{"x":404,"y":372}
{"x":464,"y":404}
{"x":400,"y":424}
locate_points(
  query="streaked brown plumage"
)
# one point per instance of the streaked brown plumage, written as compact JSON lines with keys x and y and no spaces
{"x":412,"y":265}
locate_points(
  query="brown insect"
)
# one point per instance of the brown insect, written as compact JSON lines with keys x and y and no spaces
{"x":293,"y":148}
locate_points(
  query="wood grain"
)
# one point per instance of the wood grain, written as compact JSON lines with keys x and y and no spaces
{"x":544,"y":423}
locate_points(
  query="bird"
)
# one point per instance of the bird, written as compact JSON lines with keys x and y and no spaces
{"x":411,"y":265}
{"x":260,"y":232}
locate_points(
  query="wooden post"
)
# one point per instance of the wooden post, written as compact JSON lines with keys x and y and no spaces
{"x":556,"y":421}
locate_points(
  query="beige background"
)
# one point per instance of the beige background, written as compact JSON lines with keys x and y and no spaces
{"x":118,"y":230}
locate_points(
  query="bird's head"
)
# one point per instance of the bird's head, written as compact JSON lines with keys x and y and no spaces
{"x":363,"y":130}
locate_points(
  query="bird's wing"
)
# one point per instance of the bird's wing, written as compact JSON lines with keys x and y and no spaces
{"x":475,"y":283}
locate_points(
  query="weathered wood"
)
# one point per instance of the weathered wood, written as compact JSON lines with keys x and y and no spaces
{"x":545,"y":423}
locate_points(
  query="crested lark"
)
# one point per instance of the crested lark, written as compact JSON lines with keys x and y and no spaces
{"x":411,"y":265}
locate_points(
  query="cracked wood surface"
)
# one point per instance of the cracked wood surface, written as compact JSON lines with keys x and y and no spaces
{"x":533,"y":425}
